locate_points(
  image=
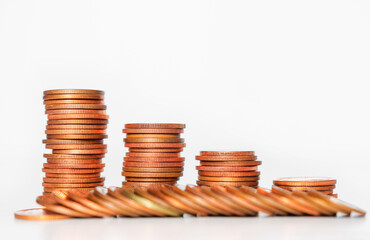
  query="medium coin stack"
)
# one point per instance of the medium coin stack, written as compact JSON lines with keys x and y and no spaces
{"x":322,"y":184}
{"x":228,"y":168}
{"x":75,"y":130}
{"x":154,"y":154}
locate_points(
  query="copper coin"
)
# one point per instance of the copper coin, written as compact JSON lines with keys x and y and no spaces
{"x":327,"y":192}
{"x":76,"y":131}
{"x":146,"y":179}
{"x":305,"y":181}
{"x":155,"y":145}
{"x":72,"y":170}
{"x":231,"y":163}
{"x":158,"y":150}
{"x":154,"y":125}
{"x":74,"y":161}
{"x":79,"y":151}
{"x":226,"y":158}
{"x":73,"y":96}
{"x":153,"y":164}
{"x":334,"y":195}
{"x":67,"y":101}
{"x":159,"y":160}
{"x":235,"y":184}
{"x":77,"y":121}
{"x":73,"y":180}
{"x":50,"y":190}
{"x":54,"y":166}
{"x":73,"y":156}
{"x":228,"y":174}
{"x":75,"y":106}
{"x":317,"y":188}
{"x":76,"y":126}
{"x":147,"y":184}
{"x":151,"y":175}
{"x":71,"y":185}
{"x":161,"y":135}
{"x":76,"y":146}
{"x":153,"y":170}
{"x":228,"y":179}
{"x":77,"y":116}
{"x":153,"y":130}
{"x":227,"y":153}
{"x":72,"y":141}
{"x":153,"y":140}
{"x":72,"y":175}
{"x":74,"y":111}
{"x":73,"y":91}
{"x":76,"y":136}
{"x":152,"y":155}
{"x":38,"y":214}
{"x":227,"y":169}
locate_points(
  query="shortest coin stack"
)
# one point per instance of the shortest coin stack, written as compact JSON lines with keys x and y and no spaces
{"x":154,"y":154}
{"x":228,"y":168}
{"x":322,"y":184}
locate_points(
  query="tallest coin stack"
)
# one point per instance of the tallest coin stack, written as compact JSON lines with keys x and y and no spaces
{"x":75,"y":130}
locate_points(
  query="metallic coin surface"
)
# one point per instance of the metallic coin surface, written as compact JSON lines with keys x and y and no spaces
{"x":77,"y":121}
{"x":153,"y":130}
{"x":73,"y":91}
{"x":76,"y":146}
{"x":228,"y":179}
{"x":38,"y":214}
{"x":76,"y":126}
{"x":73,"y":96}
{"x":231,"y":163}
{"x":78,"y":156}
{"x":227,"y":153}
{"x":152,"y":155}
{"x":153,"y":170}
{"x":76,"y":131}
{"x":74,"y":161}
{"x":75,"y":106}
{"x":226,"y":158}
{"x":147,"y":184}
{"x":147,"y":179}
{"x":237,"y":184}
{"x":156,"y":150}
{"x":74,"y":111}
{"x":153,"y":140}
{"x":151,"y":175}
{"x":77,"y":116}
{"x":72,"y":185}
{"x":73,"y":180}
{"x":76,"y":136}
{"x":153,"y":164}
{"x":72,"y":141}
{"x":73,"y":166}
{"x":155,"y":145}
{"x":305,"y":181}
{"x":146,"y":135}
{"x":159,"y":160}
{"x":227,"y":169}
{"x":72,"y":175}
{"x":73,"y":170}
{"x":228,"y":174}
{"x":318,"y":188}
{"x":154,"y":125}
{"x":79,"y":151}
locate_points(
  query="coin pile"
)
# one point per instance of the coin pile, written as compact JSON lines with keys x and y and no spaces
{"x":322,"y":184}
{"x":228,"y":168}
{"x":75,"y":130}
{"x":154,"y":154}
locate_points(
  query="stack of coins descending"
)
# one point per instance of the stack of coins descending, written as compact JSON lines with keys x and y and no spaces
{"x":154,"y":154}
{"x":322,"y":184}
{"x":228,"y":168}
{"x":75,"y":130}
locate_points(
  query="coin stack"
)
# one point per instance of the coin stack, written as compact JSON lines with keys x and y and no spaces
{"x":228,"y":168}
{"x":154,"y":154}
{"x":322,"y":184}
{"x":75,"y":130}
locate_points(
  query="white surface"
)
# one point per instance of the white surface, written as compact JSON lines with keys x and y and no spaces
{"x":288,"y":79}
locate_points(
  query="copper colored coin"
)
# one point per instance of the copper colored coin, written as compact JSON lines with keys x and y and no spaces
{"x":227,"y":169}
{"x":228,"y":174}
{"x":147,"y":184}
{"x":50,"y":190}
{"x":235,"y":184}
{"x":152,"y":155}
{"x":76,"y":131}
{"x":158,"y":135}
{"x":72,"y":141}
{"x":67,"y":101}
{"x":231,"y":163}
{"x":73,"y":156}
{"x":159,"y":160}
{"x":77,"y":116}
{"x":153,"y":140}
{"x":74,"y":111}
{"x":71,"y":185}
{"x":305,"y":181}
{"x":153,"y":130}
{"x":79,"y":151}
{"x":38,"y":214}
{"x":75,"y":106}
{"x":74,"y":161}
{"x":73,"y":96}
{"x":76,"y":136}
{"x":72,"y":170}
{"x":226,"y":158}
{"x":77,"y":121}
{"x":76,"y":126}
{"x":153,"y":170}
{"x":73,"y":91}
{"x":72,"y":175}
{"x":153,"y":164}
{"x":327,"y":192}
{"x":154,"y":125}
{"x":227,"y":153}
{"x":158,"y":150}
{"x":151,"y":175}
{"x":146,"y":179}
{"x":155,"y":145}
{"x":73,"y":180}
{"x":334,"y":195}
{"x":55,"y":166}
{"x":228,"y":179}
{"x":318,"y":188}
{"x":76,"y":146}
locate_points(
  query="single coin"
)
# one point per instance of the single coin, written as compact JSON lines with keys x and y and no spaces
{"x":77,"y":116}
{"x":226,"y":158}
{"x":235,"y":184}
{"x":73,"y":96}
{"x":160,"y":160}
{"x":50,"y":190}
{"x":73,"y":91}
{"x":228,"y":179}
{"x":228,"y":174}
{"x":73,"y":180}
{"x":73,"y":171}
{"x":67,"y":101}
{"x":75,"y":106}
{"x":72,"y":175}
{"x":74,"y":111}
{"x":151,"y":175}
{"x":78,"y":156}
{"x":76,"y":131}
{"x":153,"y":140}
{"x":305,"y":181}
{"x":153,"y":130}
{"x":76,"y":136}
{"x":77,"y":121}
{"x":153,"y":164}
{"x":154,"y":125}
{"x":230,"y":163}
{"x":145,"y":179}
{"x":147,"y":184}
{"x":155,"y":145}
{"x":79,"y":151}
{"x":131,"y":135}
{"x":152,"y":155}
{"x":227,"y":153}
{"x":153,"y":170}
{"x":71,"y":185}
{"x":75,"y":146}
{"x":72,"y":141}
{"x":76,"y":127}
{"x":318,"y":188}
{"x":55,"y":166}
{"x":227,"y":169}
{"x":74,"y":161}
{"x":38,"y":214}
{"x":153,"y":150}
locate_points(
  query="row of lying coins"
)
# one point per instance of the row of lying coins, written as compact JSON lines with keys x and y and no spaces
{"x":172,"y":201}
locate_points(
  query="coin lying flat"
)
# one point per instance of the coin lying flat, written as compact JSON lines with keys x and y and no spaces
{"x":73,"y":91}
{"x":305,"y":181}
{"x":153,"y":164}
{"x":153,"y":170}
{"x":230,"y":163}
{"x":72,"y":141}
{"x":72,"y":170}
{"x":72,"y":101}
{"x":237,"y":184}
{"x":75,"y":146}
{"x":228,"y":179}
{"x":155,"y":145}
{"x":79,"y":151}
{"x":228,"y":174}
{"x":73,"y":166}
{"x":38,"y":214}
{"x":225,"y":158}
{"x":159,"y":160}
{"x":77,"y":121}
{"x":154,"y":125}
{"x":152,"y":155}
{"x":73,"y":96}
{"x":227,"y":153}
{"x":227,"y":169}
{"x":156,"y":150}
{"x":77,"y":116}
{"x":151,"y":175}
{"x":76,"y":126}
{"x":73,"y":180}
{"x":75,"y":106}
{"x":76,"y":136}
{"x":153,"y":130}
{"x":74,"y":161}
{"x":153,"y":140}
{"x":72,"y":175}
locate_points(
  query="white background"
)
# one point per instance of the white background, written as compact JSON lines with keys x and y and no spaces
{"x":287,"y":79}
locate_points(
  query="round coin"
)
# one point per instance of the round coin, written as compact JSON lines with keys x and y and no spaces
{"x":79,"y":151}
{"x":153,"y":170}
{"x":72,"y":175}
{"x":231,"y":163}
{"x":155,"y":145}
{"x":75,"y":106}
{"x":235,"y":184}
{"x":72,"y":141}
{"x":151,"y":175}
{"x":76,"y":136}
{"x":227,"y":153}
{"x":77,"y":121}
{"x":317,"y":188}
{"x":38,"y":214}
{"x":73,"y":156}
{"x":73,"y":96}
{"x":73,"y":91}
{"x":73,"y":180}
{"x":153,"y":131}
{"x":153,"y":164}
{"x":75,"y":146}
{"x":153,"y":140}
{"x":77,"y":116}
{"x":147,"y":184}
{"x":50,"y":190}
{"x":76,"y":131}
{"x":152,"y":155}
{"x":228,"y":179}
{"x":67,"y":101}
{"x":76,"y":126}
{"x":154,"y":125}
{"x":130,"y":135}
{"x":228,"y":174}
{"x":68,"y":166}
{"x":144,"y":179}
{"x":226,"y":158}
{"x":227,"y":169}
{"x":72,"y":185}
{"x":305,"y":181}
{"x":153,"y":150}
{"x":73,"y":161}
{"x":74,"y":111}
{"x":72,"y":170}
{"x":162,"y":160}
